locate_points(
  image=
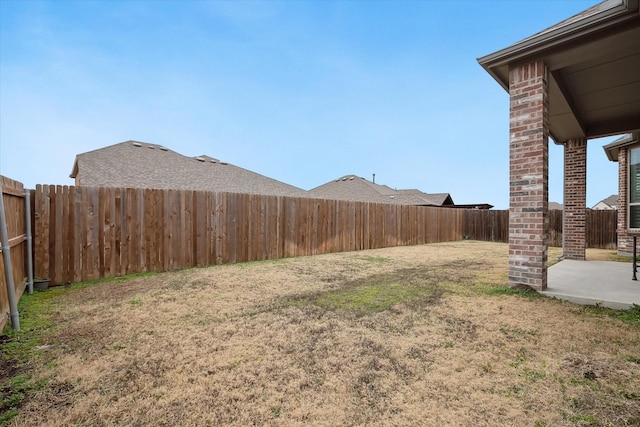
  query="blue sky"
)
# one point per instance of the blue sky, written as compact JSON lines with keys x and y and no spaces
{"x":300,"y":91}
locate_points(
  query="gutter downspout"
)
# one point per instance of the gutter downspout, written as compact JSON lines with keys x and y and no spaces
{"x":8,"y":271}
{"x":27,"y":208}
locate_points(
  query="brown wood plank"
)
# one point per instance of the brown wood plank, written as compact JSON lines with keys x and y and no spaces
{"x":44,"y":270}
{"x":78,"y":249}
{"x":96,"y":232}
{"x":212,"y":218}
{"x":180,"y":255}
{"x":345,"y":231}
{"x":65,"y":253}
{"x":322,"y":226}
{"x":289,"y":205}
{"x":55,"y":244}
{"x":244,"y":231}
{"x":253,"y":232}
{"x":231,"y":228}
{"x":191,"y":242}
{"x":199,"y":229}
{"x":86,"y":234}
{"x":357,"y":226}
{"x":72,"y":238}
{"x":101,"y":230}
{"x":311,"y":227}
{"x":159,"y":222}
{"x":259,"y":215}
{"x":174,"y":258}
{"x":260,"y":210}
{"x":297,"y":235}
{"x":15,"y":241}
{"x":120,"y":232}
{"x":36,"y":225}
{"x":220,"y":228}
{"x":308,"y":227}
{"x":110,"y":254}
{"x":141,"y":248}
{"x":204,"y":228}
{"x":273,"y":226}
{"x":129,"y":210}
{"x":81,"y":208}
{"x":206,"y":210}
{"x":167,"y":222}
{"x":148,"y":232}
{"x":7,"y":189}
{"x":339,"y":239}
{"x":280,"y":228}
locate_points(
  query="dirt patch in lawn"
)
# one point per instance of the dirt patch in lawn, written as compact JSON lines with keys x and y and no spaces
{"x":400,"y":336}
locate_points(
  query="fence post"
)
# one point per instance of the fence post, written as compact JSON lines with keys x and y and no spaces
{"x":8,"y":266}
{"x":27,"y":208}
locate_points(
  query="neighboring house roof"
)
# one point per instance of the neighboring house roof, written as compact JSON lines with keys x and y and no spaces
{"x":613,"y":148}
{"x":555,"y":206}
{"x":142,"y":165}
{"x":355,"y":188}
{"x":474,"y":206}
{"x":610,"y":202}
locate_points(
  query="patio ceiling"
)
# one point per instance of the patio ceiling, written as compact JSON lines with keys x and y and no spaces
{"x":593,"y":60}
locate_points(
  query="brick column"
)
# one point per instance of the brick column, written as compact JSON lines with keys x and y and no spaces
{"x":529,"y":175}
{"x":575,"y":199}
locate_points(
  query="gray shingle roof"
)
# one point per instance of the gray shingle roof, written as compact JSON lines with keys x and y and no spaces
{"x":611,"y":200}
{"x":355,"y":188}
{"x":142,"y":165}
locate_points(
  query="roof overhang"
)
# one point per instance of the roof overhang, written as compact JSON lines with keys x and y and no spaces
{"x":612,"y":149}
{"x":74,"y":171}
{"x":593,"y":60}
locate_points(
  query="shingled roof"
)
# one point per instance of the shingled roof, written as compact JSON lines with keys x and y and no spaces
{"x":355,"y":188}
{"x":142,"y":165}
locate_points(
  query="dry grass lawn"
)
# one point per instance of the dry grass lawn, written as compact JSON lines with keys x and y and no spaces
{"x":422,"y":335}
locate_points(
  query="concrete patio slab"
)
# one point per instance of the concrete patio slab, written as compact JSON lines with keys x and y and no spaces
{"x":604,"y":283}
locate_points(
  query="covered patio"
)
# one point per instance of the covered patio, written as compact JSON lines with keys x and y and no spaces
{"x":575,"y":81}
{"x":605,"y":283}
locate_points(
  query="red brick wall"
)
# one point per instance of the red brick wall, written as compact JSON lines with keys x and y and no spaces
{"x":575,"y":198}
{"x":529,"y":175}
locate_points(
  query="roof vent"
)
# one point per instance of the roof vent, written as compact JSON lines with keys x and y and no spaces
{"x":212,"y":161}
{"x":163,"y":148}
{"x":224,"y":163}
{"x":137,"y":144}
{"x":200,"y":159}
{"x":351,"y":179}
{"x":151,"y":146}
{"x":344,"y":179}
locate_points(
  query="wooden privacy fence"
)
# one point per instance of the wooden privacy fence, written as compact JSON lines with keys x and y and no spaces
{"x":601,"y":229}
{"x":15,"y":213}
{"x":85,"y":233}
{"x":493,"y":226}
{"x":487,"y":225}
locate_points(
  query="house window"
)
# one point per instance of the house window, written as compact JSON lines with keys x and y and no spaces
{"x":634,"y":188}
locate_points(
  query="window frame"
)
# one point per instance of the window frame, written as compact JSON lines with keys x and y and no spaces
{"x":629,"y":203}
